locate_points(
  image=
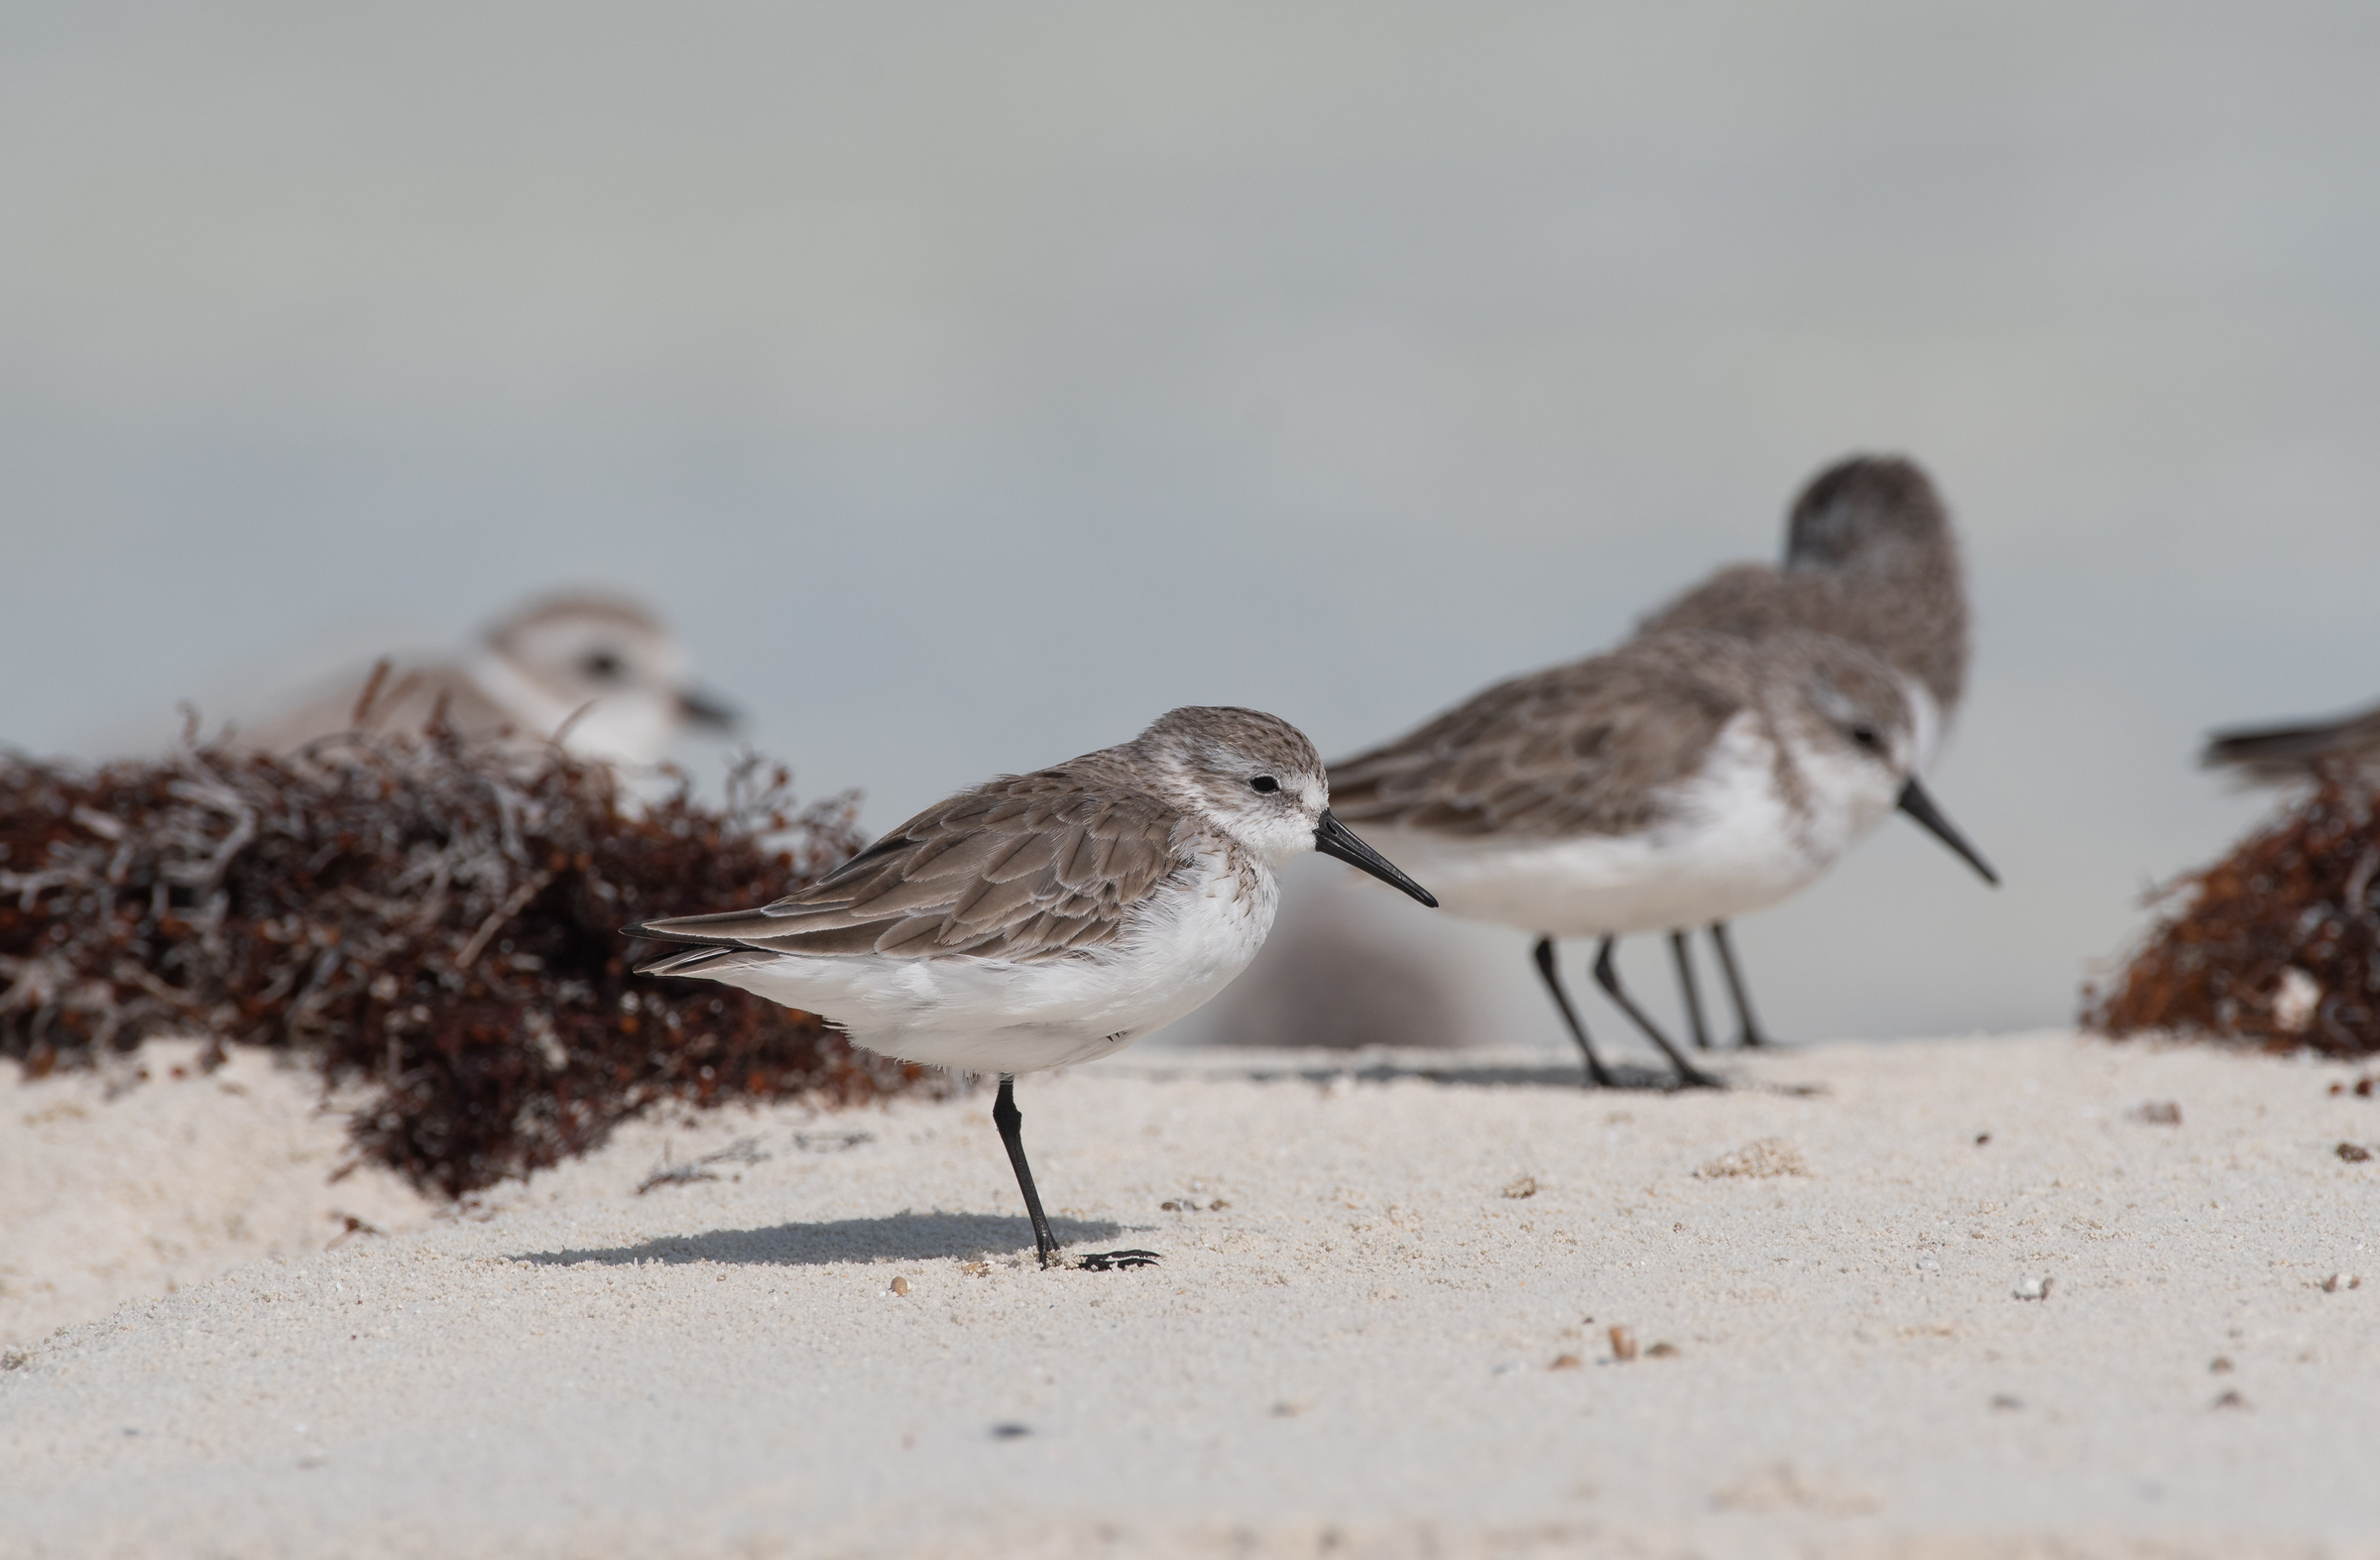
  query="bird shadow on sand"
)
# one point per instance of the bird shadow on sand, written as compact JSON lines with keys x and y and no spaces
{"x":903,"y":1236}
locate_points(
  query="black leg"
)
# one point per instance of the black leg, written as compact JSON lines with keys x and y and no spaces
{"x":1608,"y":978}
{"x":1683,"y":952}
{"x":1011,"y":1122}
{"x":1751,"y":1034}
{"x":1570,"y":1016}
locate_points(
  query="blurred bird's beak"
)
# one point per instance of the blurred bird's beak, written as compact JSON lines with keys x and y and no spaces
{"x":1915,"y":803}
{"x":700,"y":709}
{"x":1334,"y":838}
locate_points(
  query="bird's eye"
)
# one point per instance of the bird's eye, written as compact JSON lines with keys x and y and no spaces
{"x":1867,"y":737}
{"x":603,"y":666}
{"x":1265,"y":784}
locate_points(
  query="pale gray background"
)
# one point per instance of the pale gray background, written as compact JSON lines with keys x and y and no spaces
{"x":970,"y":383}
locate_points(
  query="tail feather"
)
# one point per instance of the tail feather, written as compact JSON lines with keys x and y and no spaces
{"x":692,"y":953}
{"x":709,"y":962}
{"x":671,"y":931}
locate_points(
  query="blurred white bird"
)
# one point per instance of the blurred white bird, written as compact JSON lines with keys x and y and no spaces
{"x":599,"y":672}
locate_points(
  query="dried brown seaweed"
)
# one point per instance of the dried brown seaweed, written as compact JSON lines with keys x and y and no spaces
{"x":2277,"y":944}
{"x":437,"y":920}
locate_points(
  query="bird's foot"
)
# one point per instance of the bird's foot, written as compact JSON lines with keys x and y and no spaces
{"x":1103,"y":1261}
{"x":1696,"y":1078}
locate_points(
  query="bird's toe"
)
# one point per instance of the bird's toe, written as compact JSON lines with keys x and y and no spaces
{"x":1104,"y":1262}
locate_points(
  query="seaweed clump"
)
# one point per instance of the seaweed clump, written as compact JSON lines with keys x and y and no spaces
{"x":436,"y":919}
{"x":2276,"y":945}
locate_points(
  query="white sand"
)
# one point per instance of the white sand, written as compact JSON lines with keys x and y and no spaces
{"x":113,"y":1188}
{"x":1354,"y":1357}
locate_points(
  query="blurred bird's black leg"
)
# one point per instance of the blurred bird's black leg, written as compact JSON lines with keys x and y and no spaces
{"x":1608,"y":977}
{"x":1751,"y":1034}
{"x":1011,"y":1122}
{"x":1683,"y":952}
{"x":1570,"y":1016}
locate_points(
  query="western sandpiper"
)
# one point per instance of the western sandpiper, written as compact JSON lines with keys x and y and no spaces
{"x":1047,"y":918}
{"x":1869,"y":557}
{"x":1682,"y":780}
{"x":600,"y":672}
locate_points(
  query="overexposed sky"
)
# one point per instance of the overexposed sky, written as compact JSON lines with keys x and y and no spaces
{"x":972,"y":383}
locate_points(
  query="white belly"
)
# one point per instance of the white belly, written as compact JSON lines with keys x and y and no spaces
{"x":1732,"y":845}
{"x":996,"y":1016}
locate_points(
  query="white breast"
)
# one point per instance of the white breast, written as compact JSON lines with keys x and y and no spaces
{"x":1183,"y":945}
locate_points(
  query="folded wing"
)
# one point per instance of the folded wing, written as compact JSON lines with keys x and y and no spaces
{"x":1024,"y":867}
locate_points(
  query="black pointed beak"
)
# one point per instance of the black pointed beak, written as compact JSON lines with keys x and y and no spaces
{"x":1915,"y":803}
{"x":1334,"y":838}
{"x":700,"y":709}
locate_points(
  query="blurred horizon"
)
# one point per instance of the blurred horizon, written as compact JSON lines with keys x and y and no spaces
{"x":968,"y":384}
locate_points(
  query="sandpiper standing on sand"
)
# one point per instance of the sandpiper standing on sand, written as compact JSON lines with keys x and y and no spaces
{"x":1047,"y":918}
{"x":1870,"y":557}
{"x":1684,"y":779}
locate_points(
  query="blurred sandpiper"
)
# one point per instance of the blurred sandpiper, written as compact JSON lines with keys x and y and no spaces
{"x":1685,"y":778}
{"x":2277,"y":754}
{"x":600,"y":672}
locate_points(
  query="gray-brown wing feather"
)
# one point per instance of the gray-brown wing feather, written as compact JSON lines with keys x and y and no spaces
{"x":1917,"y":622}
{"x":1588,"y":748}
{"x":1746,"y":600}
{"x":1027,"y":866}
{"x":2280,"y":753}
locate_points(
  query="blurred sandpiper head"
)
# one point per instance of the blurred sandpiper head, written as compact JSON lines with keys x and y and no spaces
{"x":598,"y":672}
{"x":1043,"y":919}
